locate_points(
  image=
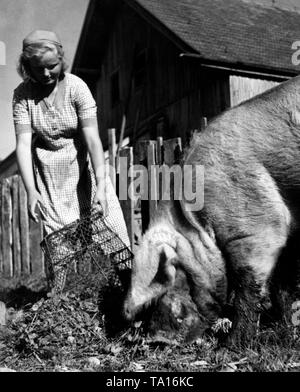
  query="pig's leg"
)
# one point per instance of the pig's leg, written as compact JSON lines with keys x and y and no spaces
{"x":286,"y":276}
{"x":252,"y":259}
{"x":289,"y":265}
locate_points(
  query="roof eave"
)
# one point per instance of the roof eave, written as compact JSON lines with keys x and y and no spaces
{"x":83,"y":35}
{"x":183,"y":47}
{"x":242,"y":68}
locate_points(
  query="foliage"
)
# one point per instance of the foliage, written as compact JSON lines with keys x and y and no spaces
{"x":67,"y":332}
{"x":57,"y":326}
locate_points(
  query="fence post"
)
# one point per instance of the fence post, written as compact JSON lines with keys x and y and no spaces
{"x":1,"y":242}
{"x":24,"y":230}
{"x":140,"y":157}
{"x":152,"y":179}
{"x":7,"y":229}
{"x":159,"y":150}
{"x":128,"y":204}
{"x":172,"y":151}
{"x":112,"y":148}
{"x":36,"y":254}
{"x":16,"y":226}
{"x":203,"y":123}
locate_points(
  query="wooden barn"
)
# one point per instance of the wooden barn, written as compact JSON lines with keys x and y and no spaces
{"x":162,"y":65}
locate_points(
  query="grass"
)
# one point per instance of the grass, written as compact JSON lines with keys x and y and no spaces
{"x":62,"y":333}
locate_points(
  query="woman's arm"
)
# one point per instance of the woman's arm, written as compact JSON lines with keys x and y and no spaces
{"x":95,"y":149}
{"x":24,"y":160}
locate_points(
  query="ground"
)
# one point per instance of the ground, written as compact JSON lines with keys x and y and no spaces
{"x":81,"y":331}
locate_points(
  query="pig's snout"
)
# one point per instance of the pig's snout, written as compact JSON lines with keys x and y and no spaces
{"x":137,"y":299}
{"x":131,"y":305}
{"x":144,"y":291}
{"x":128,"y":311}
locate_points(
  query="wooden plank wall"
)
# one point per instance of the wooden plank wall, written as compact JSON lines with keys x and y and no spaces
{"x":243,"y":88}
{"x":176,"y":88}
{"x":20,"y":253}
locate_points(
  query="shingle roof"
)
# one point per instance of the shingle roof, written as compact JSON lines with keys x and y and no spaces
{"x":231,"y":31}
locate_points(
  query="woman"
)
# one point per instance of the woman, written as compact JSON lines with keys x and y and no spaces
{"x":58,"y":108}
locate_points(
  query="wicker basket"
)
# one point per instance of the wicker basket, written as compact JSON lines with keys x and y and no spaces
{"x":84,"y":251}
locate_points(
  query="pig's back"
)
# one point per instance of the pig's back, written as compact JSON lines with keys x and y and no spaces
{"x":264,"y":130}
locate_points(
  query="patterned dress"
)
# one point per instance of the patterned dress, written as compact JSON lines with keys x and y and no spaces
{"x":63,"y":172}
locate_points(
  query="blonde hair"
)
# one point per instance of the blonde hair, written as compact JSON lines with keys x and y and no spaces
{"x":37,"y":50}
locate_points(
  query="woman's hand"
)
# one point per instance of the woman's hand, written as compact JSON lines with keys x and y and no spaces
{"x":24,"y":159}
{"x":34,"y":199}
{"x":100,"y":201}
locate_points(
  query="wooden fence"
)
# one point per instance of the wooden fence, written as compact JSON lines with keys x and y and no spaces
{"x":21,"y":258}
{"x":137,"y":212}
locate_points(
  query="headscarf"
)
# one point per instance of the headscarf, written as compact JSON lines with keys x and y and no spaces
{"x":40,"y":36}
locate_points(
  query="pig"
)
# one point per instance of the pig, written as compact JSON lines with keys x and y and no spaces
{"x":230,"y":248}
{"x":170,"y":243}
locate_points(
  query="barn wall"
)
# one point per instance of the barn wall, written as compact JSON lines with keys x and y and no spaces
{"x":177,"y":91}
{"x":243,"y":88}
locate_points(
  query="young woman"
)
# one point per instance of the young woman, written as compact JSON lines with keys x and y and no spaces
{"x":63,"y":166}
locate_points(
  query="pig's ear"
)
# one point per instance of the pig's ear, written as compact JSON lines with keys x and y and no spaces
{"x":166,"y":269}
{"x":171,"y":270}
